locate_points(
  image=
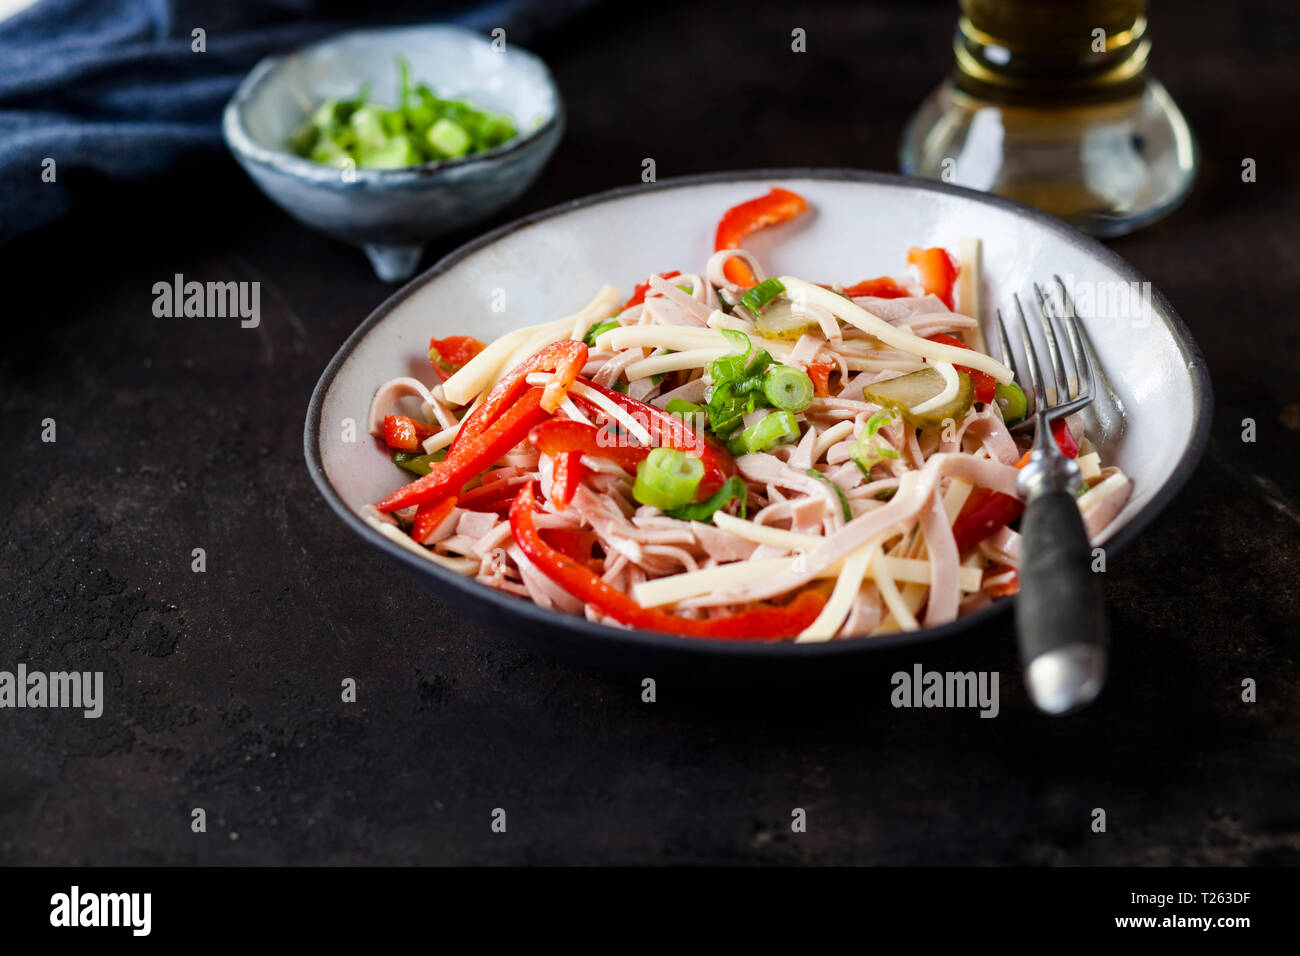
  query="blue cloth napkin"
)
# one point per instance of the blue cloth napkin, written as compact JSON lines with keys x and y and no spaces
{"x":112,"y":91}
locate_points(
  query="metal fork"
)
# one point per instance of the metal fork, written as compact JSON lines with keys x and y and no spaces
{"x":1060,"y":616}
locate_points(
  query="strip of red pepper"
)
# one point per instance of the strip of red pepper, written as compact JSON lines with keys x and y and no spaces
{"x":587,"y":586}
{"x":670,"y":431}
{"x":882,"y":288}
{"x":985,"y":384}
{"x":405,"y":433}
{"x":986,"y":510}
{"x":820,"y":373}
{"x":565,"y":359}
{"x":448,"y":356}
{"x":938,"y":271}
{"x":472,"y":455}
{"x":559,"y":436}
{"x":429,"y":516}
{"x":565,"y":477}
{"x":779,"y":205}
{"x":639,"y":292}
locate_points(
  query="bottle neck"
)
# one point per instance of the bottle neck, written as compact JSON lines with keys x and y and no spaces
{"x":1051,"y":53}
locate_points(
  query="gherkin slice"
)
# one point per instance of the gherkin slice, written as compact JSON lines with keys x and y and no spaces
{"x":915,"y":388}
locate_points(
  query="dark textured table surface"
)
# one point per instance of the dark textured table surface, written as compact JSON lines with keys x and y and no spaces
{"x":223,"y":688}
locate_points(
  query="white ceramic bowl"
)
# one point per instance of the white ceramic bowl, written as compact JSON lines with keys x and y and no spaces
{"x":392,"y":213}
{"x":861,"y":225}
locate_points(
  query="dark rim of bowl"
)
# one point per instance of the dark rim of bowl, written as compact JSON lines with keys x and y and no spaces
{"x":661,"y":641}
{"x":241,"y":143}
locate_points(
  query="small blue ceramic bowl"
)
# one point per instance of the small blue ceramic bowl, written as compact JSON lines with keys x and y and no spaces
{"x":392,"y":213}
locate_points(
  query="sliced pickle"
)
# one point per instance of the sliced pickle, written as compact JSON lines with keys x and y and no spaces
{"x":779,"y":321}
{"x":915,"y":388}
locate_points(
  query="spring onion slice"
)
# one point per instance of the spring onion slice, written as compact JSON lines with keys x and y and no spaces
{"x":759,"y":296}
{"x":788,"y":388}
{"x":732,"y":489}
{"x":776,"y":428}
{"x":667,"y":478}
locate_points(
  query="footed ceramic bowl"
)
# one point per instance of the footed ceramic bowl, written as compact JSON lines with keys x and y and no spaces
{"x":392,"y":213}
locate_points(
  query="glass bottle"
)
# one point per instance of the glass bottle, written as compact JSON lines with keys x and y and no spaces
{"x":1050,"y":103}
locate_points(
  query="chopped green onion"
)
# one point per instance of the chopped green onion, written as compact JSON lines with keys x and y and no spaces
{"x":788,"y":388}
{"x":680,"y":406}
{"x":886,"y":494}
{"x":597,"y":330}
{"x":667,"y":478}
{"x":759,"y":296}
{"x":1011,"y":399}
{"x":871,"y":449}
{"x":449,"y":139}
{"x":418,"y":464}
{"x":357,"y":133}
{"x":844,"y":499}
{"x":775,"y":429}
{"x":694,"y":415}
{"x":620,"y":386}
{"x":732,"y":489}
{"x":733,"y":366}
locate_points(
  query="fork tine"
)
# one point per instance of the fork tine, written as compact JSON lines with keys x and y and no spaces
{"x":1077,"y":346}
{"x":1047,"y":315}
{"x":1008,"y":356}
{"x":1031,"y":359}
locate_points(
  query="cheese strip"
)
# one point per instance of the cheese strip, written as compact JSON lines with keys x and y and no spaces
{"x":834,"y":612}
{"x":724,"y":577}
{"x":955,"y":497}
{"x":970,"y":259}
{"x":613,"y":410}
{"x":900,"y":615}
{"x":672,"y":362}
{"x":445,"y":437}
{"x":676,"y":337}
{"x":480,"y":371}
{"x":684,"y":338}
{"x":597,"y":309}
{"x":899,"y":338}
{"x":400,"y":537}
{"x":1090,"y":465}
{"x":911,"y":570}
{"x":951,"y":383}
{"x":483,"y":369}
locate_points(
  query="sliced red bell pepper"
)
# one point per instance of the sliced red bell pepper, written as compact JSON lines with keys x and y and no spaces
{"x":584,"y":584}
{"x":448,"y":356}
{"x":639,"y":292}
{"x":779,"y":205}
{"x":558,"y":436}
{"x":987,"y":510}
{"x":574,"y":544}
{"x":882,"y":288}
{"x":938,"y":271}
{"x":565,"y":359}
{"x":985,"y":384}
{"x":565,"y":477}
{"x":490,"y":496}
{"x":405,"y":433}
{"x":472,"y":455}
{"x":1005,"y":588}
{"x":984,"y":512}
{"x":1064,"y":440}
{"x":820,"y":373}
{"x":429,"y":516}
{"x":670,"y":431}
